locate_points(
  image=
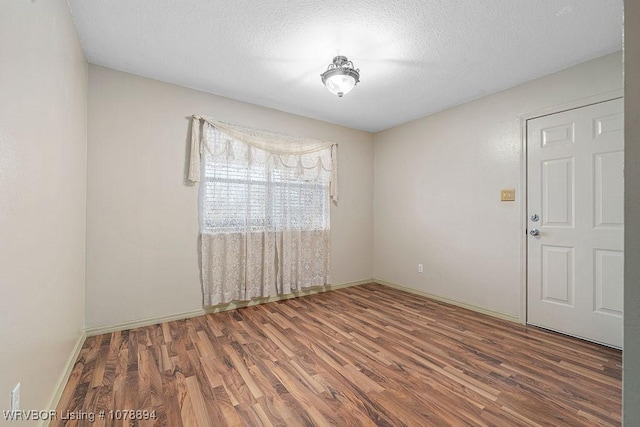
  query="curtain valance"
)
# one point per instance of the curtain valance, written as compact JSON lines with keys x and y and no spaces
{"x":288,"y":149}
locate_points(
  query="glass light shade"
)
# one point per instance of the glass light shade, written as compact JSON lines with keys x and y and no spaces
{"x":339,"y":84}
{"x":340,"y":76}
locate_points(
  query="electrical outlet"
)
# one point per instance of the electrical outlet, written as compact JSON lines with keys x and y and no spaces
{"x":420,"y":268}
{"x":15,"y":398}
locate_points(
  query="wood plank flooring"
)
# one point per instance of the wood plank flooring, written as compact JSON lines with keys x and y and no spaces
{"x":360,"y":356}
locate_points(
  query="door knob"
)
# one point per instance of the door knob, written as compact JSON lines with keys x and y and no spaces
{"x":534,"y":232}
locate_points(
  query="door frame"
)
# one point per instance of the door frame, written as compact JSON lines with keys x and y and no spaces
{"x":579,"y":103}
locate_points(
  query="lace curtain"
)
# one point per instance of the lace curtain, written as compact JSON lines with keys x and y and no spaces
{"x":264,"y":210}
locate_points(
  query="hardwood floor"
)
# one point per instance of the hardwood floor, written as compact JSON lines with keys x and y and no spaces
{"x":360,"y":356}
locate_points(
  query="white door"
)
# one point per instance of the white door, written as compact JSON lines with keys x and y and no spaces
{"x":575,"y":189}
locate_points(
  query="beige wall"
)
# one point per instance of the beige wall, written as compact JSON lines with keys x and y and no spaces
{"x":631,"y":355}
{"x":43,"y":98}
{"x":437,"y":190}
{"x":142,"y":220}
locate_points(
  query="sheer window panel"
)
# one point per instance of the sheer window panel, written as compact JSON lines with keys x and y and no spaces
{"x":264,"y":211}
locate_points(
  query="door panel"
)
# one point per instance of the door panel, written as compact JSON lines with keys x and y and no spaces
{"x":575,"y":186}
{"x":557,"y":275}
{"x":557,"y":193}
{"x":558,"y":134}
{"x":609,"y":282}
{"x":609,"y":190}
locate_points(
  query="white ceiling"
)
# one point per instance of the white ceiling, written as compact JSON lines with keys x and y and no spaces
{"x":416,"y":57}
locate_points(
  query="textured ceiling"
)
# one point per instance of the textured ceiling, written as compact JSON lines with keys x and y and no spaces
{"x":415,"y":57}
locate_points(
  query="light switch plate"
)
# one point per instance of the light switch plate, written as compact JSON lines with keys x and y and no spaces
{"x":508,"y":195}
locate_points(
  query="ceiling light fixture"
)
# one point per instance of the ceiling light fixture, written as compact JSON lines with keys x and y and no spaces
{"x":340,"y":76}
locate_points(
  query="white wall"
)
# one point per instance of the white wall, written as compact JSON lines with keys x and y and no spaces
{"x":142,"y":220}
{"x":631,"y":354}
{"x":437,"y":190}
{"x":43,"y":98}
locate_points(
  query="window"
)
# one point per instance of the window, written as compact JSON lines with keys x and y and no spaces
{"x":237,"y":197}
{"x":264,"y":210}
{"x":263,"y":194}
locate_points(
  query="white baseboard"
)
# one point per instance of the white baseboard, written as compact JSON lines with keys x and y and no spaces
{"x":488,"y":312}
{"x":215,"y":309}
{"x":107,"y":329}
{"x":62,"y":381}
